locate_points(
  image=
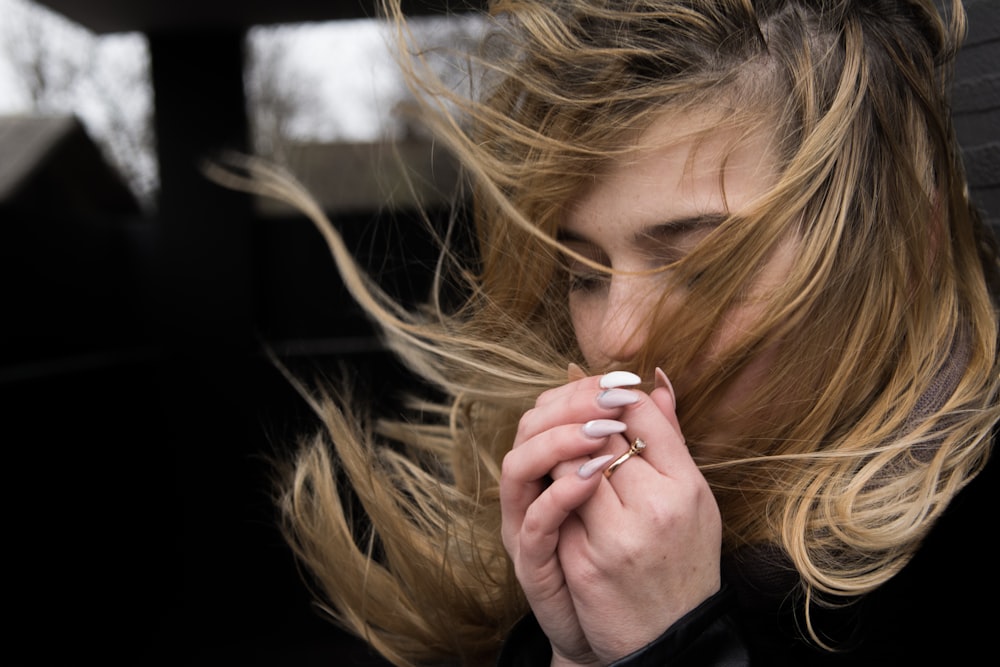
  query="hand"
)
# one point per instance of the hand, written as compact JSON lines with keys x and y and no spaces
{"x":645,"y":549}
{"x":607,"y":564}
{"x":553,"y":435}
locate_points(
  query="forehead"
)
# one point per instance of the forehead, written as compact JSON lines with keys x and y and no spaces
{"x":682,"y":165}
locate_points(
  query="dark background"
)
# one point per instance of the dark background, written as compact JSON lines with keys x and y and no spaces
{"x":139,"y":411}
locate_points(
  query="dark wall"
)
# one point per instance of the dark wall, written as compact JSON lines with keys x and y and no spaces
{"x":977,"y":106}
{"x":140,"y":527}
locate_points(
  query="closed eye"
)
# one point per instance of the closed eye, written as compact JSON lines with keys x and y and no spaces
{"x":587,"y":279}
{"x":584,"y":277}
{"x":672,"y":241}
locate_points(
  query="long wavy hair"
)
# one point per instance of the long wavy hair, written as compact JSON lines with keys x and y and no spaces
{"x":878,"y":406}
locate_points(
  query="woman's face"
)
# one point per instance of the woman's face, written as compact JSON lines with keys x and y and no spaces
{"x":652,"y":209}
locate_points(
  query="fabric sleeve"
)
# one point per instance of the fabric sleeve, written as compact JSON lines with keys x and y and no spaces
{"x":704,"y":637}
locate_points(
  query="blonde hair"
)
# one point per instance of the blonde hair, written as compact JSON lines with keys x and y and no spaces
{"x":878,"y":407}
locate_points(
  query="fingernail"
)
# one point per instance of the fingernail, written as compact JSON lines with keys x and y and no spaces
{"x":574,"y":372}
{"x":616,"y":398}
{"x":587,"y":470}
{"x":619,"y":379}
{"x":663,"y":381}
{"x":600,"y":428}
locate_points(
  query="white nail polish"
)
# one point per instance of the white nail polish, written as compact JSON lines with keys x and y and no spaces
{"x":587,"y":470}
{"x":600,"y":428}
{"x":619,"y":379}
{"x":616,"y":398}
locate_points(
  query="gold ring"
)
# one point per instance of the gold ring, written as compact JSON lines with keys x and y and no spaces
{"x":636,"y":448}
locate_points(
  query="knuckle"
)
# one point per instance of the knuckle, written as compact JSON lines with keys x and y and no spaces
{"x":545,"y":396}
{"x":663,"y":513}
{"x":532,"y":527}
{"x":590,"y":572}
{"x":526,"y":426}
{"x":687,"y":500}
{"x":509,"y":465}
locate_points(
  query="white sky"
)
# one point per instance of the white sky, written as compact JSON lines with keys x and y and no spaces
{"x":8,"y":88}
{"x":351,"y":71}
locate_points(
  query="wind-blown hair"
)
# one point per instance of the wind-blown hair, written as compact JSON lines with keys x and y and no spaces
{"x":878,"y":406}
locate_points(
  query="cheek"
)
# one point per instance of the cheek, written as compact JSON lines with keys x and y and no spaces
{"x":586,"y":325}
{"x":745,"y":385}
{"x":729,"y":331}
{"x":741,"y":319}
{"x":732,"y":328}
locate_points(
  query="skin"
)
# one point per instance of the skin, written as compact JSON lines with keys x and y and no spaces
{"x":608,"y":564}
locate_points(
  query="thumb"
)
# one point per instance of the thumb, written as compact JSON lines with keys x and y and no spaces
{"x":663,"y":395}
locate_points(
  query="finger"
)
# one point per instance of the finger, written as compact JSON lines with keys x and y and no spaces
{"x":639,"y":478}
{"x":540,"y":526}
{"x":525,"y":470}
{"x":572,"y":466}
{"x":663,"y":392}
{"x":579,"y":401}
{"x":653,"y":420}
{"x":565,"y":442}
{"x":612,"y":380}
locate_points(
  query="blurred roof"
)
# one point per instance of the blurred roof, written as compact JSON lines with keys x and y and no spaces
{"x":108,"y":16}
{"x":51,"y":164}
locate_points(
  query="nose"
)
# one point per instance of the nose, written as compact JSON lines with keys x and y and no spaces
{"x":627,"y":315}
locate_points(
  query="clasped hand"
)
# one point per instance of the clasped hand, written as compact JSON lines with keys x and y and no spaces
{"x":607,"y":562}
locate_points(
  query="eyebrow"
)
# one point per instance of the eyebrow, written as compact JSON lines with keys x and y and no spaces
{"x":659,"y":230}
{"x":679,"y":226}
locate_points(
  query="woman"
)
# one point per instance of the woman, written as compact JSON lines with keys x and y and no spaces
{"x":726,"y":353}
